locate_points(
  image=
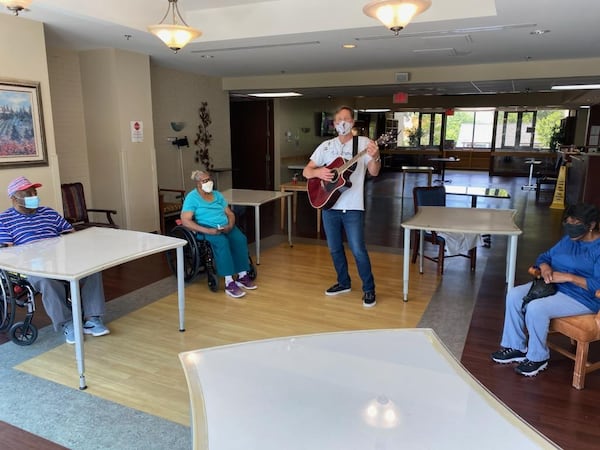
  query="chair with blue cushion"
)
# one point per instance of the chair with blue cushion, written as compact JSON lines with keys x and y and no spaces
{"x":434,"y":196}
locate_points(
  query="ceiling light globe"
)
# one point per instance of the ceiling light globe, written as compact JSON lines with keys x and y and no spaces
{"x":395,"y":14}
{"x":174,"y":36}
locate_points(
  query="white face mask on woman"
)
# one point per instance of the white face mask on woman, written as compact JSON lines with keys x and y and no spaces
{"x":208,"y":186}
{"x":343,"y":128}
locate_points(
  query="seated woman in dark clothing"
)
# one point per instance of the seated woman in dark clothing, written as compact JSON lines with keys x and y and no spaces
{"x":573,"y":265}
{"x":206,"y":211}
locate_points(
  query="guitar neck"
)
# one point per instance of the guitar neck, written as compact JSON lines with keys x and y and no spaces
{"x":349,"y":163}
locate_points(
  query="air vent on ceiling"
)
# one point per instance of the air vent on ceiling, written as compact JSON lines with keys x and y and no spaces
{"x":449,"y":51}
{"x":255,"y":47}
{"x":463,"y":31}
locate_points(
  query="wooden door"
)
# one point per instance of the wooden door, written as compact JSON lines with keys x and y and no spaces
{"x":252,"y":144}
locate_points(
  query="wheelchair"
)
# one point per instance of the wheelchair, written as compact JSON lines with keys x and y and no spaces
{"x":198,"y":257}
{"x":16,"y":293}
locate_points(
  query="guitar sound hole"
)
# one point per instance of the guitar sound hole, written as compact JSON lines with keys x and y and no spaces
{"x":335,"y":177}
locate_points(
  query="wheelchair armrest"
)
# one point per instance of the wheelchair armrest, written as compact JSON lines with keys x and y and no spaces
{"x":108,"y":212}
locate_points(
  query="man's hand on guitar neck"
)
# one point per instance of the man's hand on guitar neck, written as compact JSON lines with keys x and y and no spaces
{"x":374,"y":165}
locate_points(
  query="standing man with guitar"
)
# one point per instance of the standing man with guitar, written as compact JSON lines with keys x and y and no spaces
{"x":336,"y":174}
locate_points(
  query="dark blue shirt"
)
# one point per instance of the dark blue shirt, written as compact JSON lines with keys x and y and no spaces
{"x":17,"y":228}
{"x":579,"y":258}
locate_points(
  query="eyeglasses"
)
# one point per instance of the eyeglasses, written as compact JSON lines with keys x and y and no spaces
{"x":206,"y":180}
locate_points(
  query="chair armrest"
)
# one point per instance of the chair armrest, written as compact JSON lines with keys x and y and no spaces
{"x":108,"y":212}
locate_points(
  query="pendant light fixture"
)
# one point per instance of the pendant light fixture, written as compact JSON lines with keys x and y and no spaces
{"x":16,"y":6}
{"x":395,"y":14}
{"x":177,"y":34}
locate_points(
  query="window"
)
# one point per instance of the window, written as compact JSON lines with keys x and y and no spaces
{"x":470,"y":128}
{"x":419,"y":129}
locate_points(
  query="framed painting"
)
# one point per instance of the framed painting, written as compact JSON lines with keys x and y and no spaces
{"x":22,"y":140}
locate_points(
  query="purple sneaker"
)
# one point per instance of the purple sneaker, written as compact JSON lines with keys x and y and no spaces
{"x":246,"y":282}
{"x":233,"y":290}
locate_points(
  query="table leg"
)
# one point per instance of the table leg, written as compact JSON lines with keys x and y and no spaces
{"x":511,"y":260}
{"x":289,"y":199}
{"x":406,"y":263}
{"x":295,"y":204}
{"x":78,"y":330}
{"x":282,"y":210}
{"x":257,"y":232}
{"x":180,"y":288}
{"x":421,"y":248}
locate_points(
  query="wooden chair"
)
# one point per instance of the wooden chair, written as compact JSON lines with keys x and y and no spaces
{"x":171,"y":207}
{"x":581,"y":330}
{"x":434,"y":196}
{"x":76,"y":211}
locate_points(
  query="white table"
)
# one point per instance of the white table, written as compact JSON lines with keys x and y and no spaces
{"x":251,"y":197}
{"x":474,"y":192}
{"x":463,"y":220}
{"x":74,"y":256}
{"x":358,"y":390}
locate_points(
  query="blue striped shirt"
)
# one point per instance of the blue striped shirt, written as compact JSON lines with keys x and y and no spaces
{"x":17,"y":228}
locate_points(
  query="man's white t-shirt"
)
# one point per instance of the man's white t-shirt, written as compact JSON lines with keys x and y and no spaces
{"x":328,"y":151}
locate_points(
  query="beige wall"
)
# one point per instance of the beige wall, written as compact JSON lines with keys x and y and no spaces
{"x":176,"y":97}
{"x":116,"y":90}
{"x":27,"y":61}
{"x":69,"y":124}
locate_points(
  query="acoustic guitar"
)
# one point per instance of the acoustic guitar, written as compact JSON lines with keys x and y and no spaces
{"x":323,"y":194}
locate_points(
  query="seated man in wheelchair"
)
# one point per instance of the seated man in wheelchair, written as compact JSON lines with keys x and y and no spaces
{"x":26,"y":222}
{"x":206,"y":211}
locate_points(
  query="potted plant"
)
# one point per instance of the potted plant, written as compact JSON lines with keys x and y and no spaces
{"x":557,"y":138}
{"x":414,"y":136}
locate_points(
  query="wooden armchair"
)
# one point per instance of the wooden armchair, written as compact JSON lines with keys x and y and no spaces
{"x":76,"y":211}
{"x":581,"y":330}
{"x":170,"y":202}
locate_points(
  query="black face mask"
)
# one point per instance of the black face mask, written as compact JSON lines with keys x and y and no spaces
{"x":575,"y":230}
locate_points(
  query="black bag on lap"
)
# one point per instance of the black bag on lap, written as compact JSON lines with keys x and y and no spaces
{"x":539,"y":289}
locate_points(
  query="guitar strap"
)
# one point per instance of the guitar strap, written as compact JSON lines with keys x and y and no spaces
{"x":354,"y":152}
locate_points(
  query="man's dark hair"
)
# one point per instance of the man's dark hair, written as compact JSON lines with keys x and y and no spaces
{"x":584,"y":212}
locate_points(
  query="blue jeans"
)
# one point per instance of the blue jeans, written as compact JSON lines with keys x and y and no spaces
{"x":335,"y":222}
{"x":536,"y":320}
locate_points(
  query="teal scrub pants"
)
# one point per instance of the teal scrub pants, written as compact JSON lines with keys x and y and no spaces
{"x":230,"y":251}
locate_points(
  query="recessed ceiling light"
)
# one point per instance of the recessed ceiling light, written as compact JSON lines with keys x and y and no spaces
{"x":571,"y":87}
{"x":539,"y":32}
{"x":349,"y":46}
{"x":274,"y":94}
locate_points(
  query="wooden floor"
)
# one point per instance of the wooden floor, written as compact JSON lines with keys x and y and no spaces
{"x":548,"y":402}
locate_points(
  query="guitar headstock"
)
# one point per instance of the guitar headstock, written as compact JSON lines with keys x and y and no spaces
{"x":387,"y":138}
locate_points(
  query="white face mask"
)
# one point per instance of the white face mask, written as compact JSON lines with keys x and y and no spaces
{"x":208,"y":186}
{"x":343,"y":128}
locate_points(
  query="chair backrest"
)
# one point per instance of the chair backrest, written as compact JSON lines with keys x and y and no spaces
{"x":429,"y":196}
{"x":73,"y":198}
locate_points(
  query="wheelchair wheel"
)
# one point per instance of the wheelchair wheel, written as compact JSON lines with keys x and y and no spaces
{"x":207,"y":259}
{"x":191,"y":258}
{"x":7,"y":302}
{"x":22,"y":333}
{"x":252,"y":269}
